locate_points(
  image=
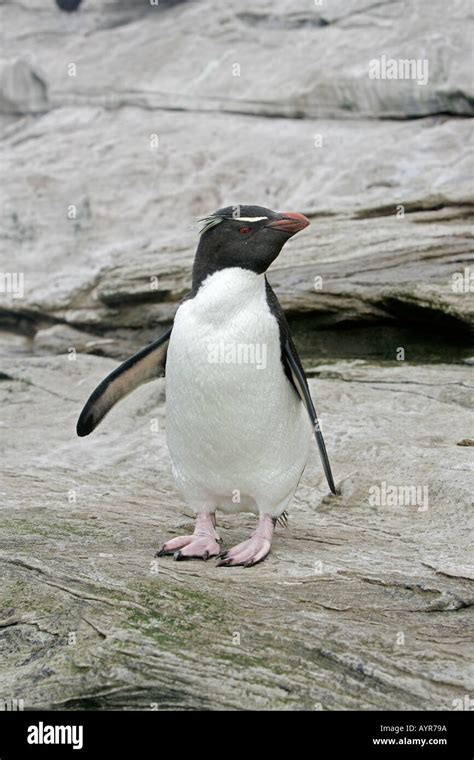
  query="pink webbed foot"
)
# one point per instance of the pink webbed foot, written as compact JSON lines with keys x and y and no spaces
{"x":202,"y":544}
{"x":254,"y":550}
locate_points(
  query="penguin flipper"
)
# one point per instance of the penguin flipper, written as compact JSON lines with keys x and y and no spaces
{"x":296,"y":376}
{"x":292,"y":361}
{"x":147,"y":364}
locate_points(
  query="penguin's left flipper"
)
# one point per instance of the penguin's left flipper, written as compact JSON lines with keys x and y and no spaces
{"x":293,"y":364}
{"x":295,"y":374}
{"x":147,"y":364}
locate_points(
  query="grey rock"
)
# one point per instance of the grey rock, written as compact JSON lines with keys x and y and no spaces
{"x":359,"y":606}
{"x":314,"y":61}
{"x":62,"y":339}
{"x":132,"y":152}
{"x":99,"y":269}
{"x":23,"y":89}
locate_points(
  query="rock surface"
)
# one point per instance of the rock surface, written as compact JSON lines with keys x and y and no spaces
{"x":101,"y":193}
{"x":22,"y":90}
{"x":359,"y":606}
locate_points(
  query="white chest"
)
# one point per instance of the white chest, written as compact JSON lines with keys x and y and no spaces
{"x":233,"y":419}
{"x":224,"y":338}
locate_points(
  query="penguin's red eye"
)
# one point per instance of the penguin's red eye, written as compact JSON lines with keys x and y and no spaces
{"x":244,"y":230}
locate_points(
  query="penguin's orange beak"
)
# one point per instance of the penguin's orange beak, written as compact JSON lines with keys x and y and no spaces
{"x":289,"y":222}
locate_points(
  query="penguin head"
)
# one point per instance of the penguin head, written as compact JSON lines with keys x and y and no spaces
{"x":249,"y":237}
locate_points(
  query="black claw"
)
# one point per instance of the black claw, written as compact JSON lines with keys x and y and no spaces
{"x":228,"y":563}
{"x":177,"y":556}
{"x":252,"y":562}
{"x":161,"y":552}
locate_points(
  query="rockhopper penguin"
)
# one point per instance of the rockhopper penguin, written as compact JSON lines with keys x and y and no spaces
{"x":239,"y":415}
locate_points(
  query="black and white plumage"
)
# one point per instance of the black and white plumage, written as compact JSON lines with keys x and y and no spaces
{"x":239,"y":413}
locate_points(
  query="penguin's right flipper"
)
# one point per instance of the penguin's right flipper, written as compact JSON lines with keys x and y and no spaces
{"x":147,"y":364}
